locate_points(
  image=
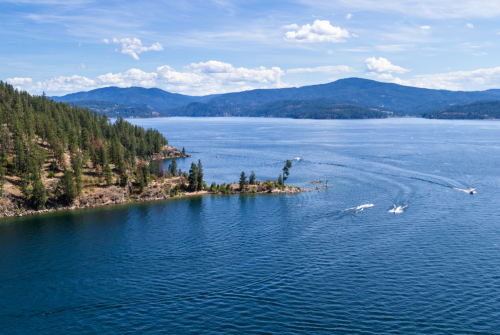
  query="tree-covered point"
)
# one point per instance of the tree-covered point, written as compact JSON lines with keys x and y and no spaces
{"x":475,"y":110}
{"x":35,"y":130}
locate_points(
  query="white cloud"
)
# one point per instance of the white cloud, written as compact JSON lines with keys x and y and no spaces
{"x":354,"y":35}
{"x":81,"y":66}
{"x":105,"y":40}
{"x":382,"y":65}
{"x":319,"y":31}
{"x":425,"y":27}
{"x":324,"y":69}
{"x":133,"y":46}
{"x":290,"y":26}
{"x":197,"y":78}
{"x":79,"y":44}
{"x":470,"y":25}
{"x":20,"y":81}
{"x":392,"y":48}
{"x":348,"y":16}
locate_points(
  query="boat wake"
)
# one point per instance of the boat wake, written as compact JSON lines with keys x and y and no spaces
{"x":359,"y":208}
{"x":398,"y":209}
{"x":470,"y":190}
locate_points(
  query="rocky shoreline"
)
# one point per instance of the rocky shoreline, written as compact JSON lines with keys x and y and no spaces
{"x":23,"y":212}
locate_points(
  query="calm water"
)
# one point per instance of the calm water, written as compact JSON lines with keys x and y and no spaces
{"x":262,"y":264}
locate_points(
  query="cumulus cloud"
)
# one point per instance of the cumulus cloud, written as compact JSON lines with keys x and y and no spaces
{"x":133,"y":46}
{"x":382,"y":65}
{"x":196,"y":78}
{"x":319,"y":31}
{"x":348,"y":16}
{"x":20,"y":81}
{"x":324,"y":69}
{"x":470,"y":25}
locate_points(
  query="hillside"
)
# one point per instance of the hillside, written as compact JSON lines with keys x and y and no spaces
{"x":361,"y":92}
{"x":115,"y":110}
{"x":476,"y":110}
{"x":311,"y":109}
{"x":153,"y":98}
{"x":53,"y":154}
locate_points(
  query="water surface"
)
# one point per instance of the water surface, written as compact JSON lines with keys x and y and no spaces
{"x":262,"y":264}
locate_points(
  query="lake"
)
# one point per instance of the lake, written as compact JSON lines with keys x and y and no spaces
{"x":263,"y":264}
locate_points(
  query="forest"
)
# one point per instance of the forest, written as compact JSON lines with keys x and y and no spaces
{"x":41,"y":139}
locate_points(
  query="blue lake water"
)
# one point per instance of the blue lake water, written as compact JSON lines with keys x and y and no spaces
{"x":262,"y":264}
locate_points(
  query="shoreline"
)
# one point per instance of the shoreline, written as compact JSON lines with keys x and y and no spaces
{"x":30,"y":212}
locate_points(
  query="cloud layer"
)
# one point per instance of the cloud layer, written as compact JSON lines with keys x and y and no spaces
{"x":382,"y":65}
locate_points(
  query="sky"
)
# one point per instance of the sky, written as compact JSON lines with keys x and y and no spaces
{"x":218,"y":46}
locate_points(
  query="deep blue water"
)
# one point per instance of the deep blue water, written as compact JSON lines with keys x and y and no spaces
{"x":262,"y":264}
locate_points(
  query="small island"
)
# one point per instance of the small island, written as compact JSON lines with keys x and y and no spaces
{"x":54,"y":156}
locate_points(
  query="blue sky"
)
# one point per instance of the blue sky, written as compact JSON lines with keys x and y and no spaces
{"x":206,"y":47}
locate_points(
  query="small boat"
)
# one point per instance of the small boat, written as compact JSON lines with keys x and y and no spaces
{"x":216,"y":156}
{"x":297,"y":158}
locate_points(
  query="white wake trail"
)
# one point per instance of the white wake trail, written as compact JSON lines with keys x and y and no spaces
{"x":398,"y":209}
{"x":359,"y":208}
{"x":470,"y":190}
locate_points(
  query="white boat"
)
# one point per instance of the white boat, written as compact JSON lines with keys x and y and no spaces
{"x":297,"y":158}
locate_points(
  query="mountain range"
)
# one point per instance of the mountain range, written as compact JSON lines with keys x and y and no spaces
{"x":343,"y":94}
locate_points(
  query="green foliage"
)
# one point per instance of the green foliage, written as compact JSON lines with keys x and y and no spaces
{"x":183,"y":151}
{"x":51,"y":174}
{"x":2,"y":180}
{"x":116,"y":110}
{"x":68,"y":187}
{"x":108,"y":175}
{"x":200,"y":176}
{"x":251,"y":180}
{"x":286,"y":171}
{"x":39,"y":197}
{"x":243,"y":180}
{"x":193,"y":177}
{"x":213,"y":187}
{"x":172,"y":167}
{"x":280,"y":180}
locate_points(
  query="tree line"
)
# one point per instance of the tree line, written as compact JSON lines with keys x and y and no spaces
{"x":36,"y":131}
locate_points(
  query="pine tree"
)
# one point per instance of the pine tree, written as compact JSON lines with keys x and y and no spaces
{"x":108,"y":175}
{"x":183,"y":152}
{"x":172,"y":168}
{"x":39,"y":197}
{"x":286,"y":171}
{"x":2,"y":179}
{"x":77,"y":169}
{"x":280,"y":180}
{"x":243,"y":180}
{"x":251,"y":181}
{"x":68,"y":187}
{"x":193,"y":177}
{"x":200,"y":175}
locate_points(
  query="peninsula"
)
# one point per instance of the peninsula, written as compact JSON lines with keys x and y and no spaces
{"x":54,"y":156}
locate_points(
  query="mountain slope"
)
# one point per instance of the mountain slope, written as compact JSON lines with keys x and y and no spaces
{"x":363,"y":92}
{"x":153,"y":98}
{"x":475,"y":110}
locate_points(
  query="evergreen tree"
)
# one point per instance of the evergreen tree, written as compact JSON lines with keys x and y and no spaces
{"x":243,"y":180}
{"x":183,"y":151}
{"x":140,"y":179}
{"x":77,"y":170}
{"x":39,"y":197}
{"x":280,"y":180}
{"x":251,"y":181}
{"x":68,"y":187}
{"x":2,"y":180}
{"x":25,"y":182}
{"x":172,"y":168}
{"x":108,"y":175}
{"x":200,"y":175}
{"x":286,"y":171}
{"x":193,"y":177}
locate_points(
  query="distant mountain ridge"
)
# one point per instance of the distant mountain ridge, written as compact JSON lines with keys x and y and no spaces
{"x":364,"y":93}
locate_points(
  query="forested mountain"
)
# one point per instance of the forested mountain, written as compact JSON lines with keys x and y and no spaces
{"x":361,"y":92}
{"x":476,"y":110}
{"x":310,"y":109}
{"x":115,"y":110}
{"x":153,"y":98}
{"x":41,"y":139}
